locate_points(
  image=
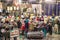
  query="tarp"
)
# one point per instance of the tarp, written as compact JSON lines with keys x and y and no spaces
{"x":50,"y":8}
{"x":58,"y":8}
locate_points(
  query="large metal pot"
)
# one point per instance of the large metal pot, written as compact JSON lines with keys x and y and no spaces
{"x":35,"y":35}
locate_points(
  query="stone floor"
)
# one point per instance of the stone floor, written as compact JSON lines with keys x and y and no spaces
{"x":53,"y":37}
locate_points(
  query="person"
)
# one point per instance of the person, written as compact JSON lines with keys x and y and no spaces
{"x":26,"y":25}
{"x":7,"y":36}
{"x":23,"y":29}
{"x":22,"y":16}
{"x":23,"y":26}
{"x":56,"y":28}
{"x":14,"y":24}
{"x":31,"y":26}
{"x":53,"y":20}
{"x":44,"y":29}
{"x":6,"y":21}
{"x":49,"y":30}
{"x":0,"y":30}
{"x":58,"y":23}
{"x":38,"y":19}
{"x":19,"y":24}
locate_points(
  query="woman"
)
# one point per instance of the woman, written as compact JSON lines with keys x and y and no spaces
{"x":44,"y":28}
{"x":31,"y":26}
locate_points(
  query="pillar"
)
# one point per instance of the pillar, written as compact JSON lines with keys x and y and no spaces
{"x":40,"y":7}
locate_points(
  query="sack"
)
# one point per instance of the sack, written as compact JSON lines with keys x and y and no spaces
{"x":3,"y":30}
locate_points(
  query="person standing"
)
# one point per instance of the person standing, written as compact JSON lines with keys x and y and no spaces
{"x":31,"y":26}
{"x":49,"y":30}
{"x":19,"y":24}
{"x":23,"y":26}
{"x":58,"y":23}
{"x":26,"y":25}
{"x":0,"y":30}
{"x":44,"y":29}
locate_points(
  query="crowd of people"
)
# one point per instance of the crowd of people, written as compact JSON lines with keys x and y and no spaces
{"x":26,"y":24}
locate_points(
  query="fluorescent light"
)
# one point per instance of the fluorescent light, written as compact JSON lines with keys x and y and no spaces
{"x":49,"y":1}
{"x":14,"y":8}
{"x":19,"y":1}
{"x":8,"y":8}
{"x":11,"y":8}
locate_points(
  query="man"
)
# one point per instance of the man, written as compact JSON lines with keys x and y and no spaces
{"x":19,"y":24}
{"x":49,"y":30}
{"x":0,"y":29}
